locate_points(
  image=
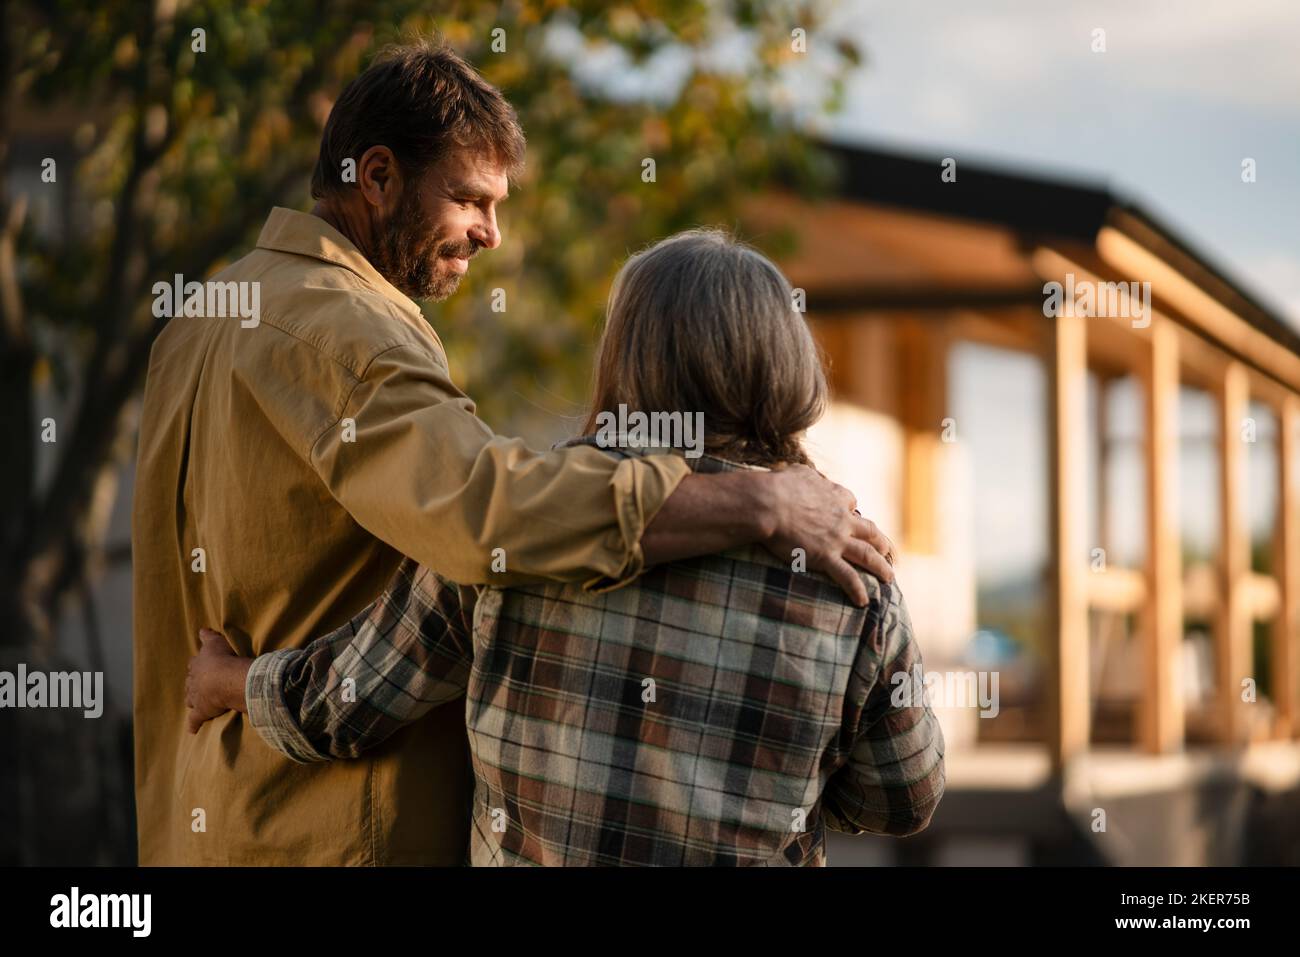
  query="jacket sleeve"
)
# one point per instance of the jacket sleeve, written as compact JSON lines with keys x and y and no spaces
{"x":413,"y":465}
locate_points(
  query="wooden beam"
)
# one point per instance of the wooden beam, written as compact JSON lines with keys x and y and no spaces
{"x":1201,"y":598}
{"x":1233,"y":659}
{"x":1202,"y":362}
{"x":1160,"y":709}
{"x":1286,"y":626}
{"x":1121,"y":591}
{"x":849,"y":298}
{"x":1263,"y":597}
{"x":1067,"y":692}
{"x":1056,"y":264}
{"x":833,"y":337}
{"x":1111,"y":339}
{"x":1201,"y":310}
{"x":1266,"y":389}
{"x":1017,"y":330}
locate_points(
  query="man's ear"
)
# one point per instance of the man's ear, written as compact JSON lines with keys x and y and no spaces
{"x":379,"y":178}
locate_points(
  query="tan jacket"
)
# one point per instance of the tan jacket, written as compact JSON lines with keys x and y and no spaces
{"x":304,"y":455}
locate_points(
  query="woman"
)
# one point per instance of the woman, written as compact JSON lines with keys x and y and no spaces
{"x":721,"y":710}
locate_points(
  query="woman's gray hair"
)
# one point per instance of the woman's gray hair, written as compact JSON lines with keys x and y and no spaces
{"x":701,"y":322}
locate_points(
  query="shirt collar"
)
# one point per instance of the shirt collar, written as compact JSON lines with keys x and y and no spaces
{"x":291,"y":231}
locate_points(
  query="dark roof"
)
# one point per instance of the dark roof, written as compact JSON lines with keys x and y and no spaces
{"x":1029,"y":204}
{"x":1035,"y":206}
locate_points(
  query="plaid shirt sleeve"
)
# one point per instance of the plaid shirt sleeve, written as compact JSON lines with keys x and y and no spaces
{"x":894,"y":778}
{"x":406,"y":653}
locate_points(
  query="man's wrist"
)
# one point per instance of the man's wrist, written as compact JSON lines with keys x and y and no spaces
{"x":763,"y":505}
{"x":236,"y":675}
{"x":707,"y":514}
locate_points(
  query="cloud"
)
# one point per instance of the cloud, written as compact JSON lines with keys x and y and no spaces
{"x":1242,"y":52}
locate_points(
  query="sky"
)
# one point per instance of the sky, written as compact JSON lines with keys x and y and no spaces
{"x":1183,"y":92}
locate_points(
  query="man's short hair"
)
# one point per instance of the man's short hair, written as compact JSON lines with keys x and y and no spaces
{"x":420,"y":99}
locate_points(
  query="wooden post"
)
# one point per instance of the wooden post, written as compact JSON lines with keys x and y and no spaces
{"x":1068,"y":424}
{"x":1232,"y":639}
{"x":1160,"y":709}
{"x":922,"y":384}
{"x":1286,"y":627}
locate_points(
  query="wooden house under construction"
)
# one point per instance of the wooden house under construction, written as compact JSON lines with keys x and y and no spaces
{"x":901,"y":266}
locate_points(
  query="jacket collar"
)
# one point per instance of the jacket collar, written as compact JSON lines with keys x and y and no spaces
{"x":291,"y":231}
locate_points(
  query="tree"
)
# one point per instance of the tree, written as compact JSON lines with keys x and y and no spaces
{"x":193,"y":119}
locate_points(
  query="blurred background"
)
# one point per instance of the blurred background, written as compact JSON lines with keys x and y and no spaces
{"x":1102,"y":513}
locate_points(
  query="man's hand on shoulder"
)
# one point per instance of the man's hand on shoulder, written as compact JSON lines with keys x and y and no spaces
{"x":810,"y":512}
{"x":788,"y":508}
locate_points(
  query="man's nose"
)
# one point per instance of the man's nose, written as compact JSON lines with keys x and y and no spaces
{"x":485,"y":232}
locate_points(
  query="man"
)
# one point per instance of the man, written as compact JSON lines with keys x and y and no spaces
{"x":288,"y":464}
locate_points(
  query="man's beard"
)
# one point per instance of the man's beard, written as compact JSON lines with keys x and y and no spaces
{"x":405,"y":255}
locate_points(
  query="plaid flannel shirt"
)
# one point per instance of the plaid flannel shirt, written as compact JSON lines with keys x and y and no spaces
{"x":721,"y":710}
